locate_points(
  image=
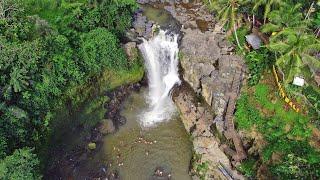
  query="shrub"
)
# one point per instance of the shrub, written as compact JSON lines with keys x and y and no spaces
{"x":257,"y":61}
{"x":248,"y":168}
{"x":21,"y":165}
{"x":100,"y":49}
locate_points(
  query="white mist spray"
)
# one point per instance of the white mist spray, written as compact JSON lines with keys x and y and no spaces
{"x":161,"y":60}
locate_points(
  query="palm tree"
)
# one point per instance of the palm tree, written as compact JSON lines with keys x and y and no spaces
{"x":288,"y":15}
{"x":228,"y":13}
{"x":295,"y":49}
{"x":268,"y":4}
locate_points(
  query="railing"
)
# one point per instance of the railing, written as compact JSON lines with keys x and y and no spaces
{"x":282,"y":92}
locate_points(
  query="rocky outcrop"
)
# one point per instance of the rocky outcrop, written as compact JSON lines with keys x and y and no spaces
{"x":198,"y":120}
{"x":142,"y":26}
{"x":215,"y":73}
{"x":114,"y":105}
{"x":209,"y":67}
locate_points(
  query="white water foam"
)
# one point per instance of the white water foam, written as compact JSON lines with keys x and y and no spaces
{"x":161,"y":61}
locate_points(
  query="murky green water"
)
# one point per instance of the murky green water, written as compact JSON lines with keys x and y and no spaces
{"x":137,"y":152}
{"x":160,"y":16}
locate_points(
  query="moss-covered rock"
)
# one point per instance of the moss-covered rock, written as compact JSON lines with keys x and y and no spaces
{"x":92,"y":146}
{"x":107,"y":127}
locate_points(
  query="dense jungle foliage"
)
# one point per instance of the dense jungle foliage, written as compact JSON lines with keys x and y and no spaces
{"x":285,"y":142}
{"x":48,"y":48}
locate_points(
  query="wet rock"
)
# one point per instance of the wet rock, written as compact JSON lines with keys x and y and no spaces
{"x":142,"y":26}
{"x":148,"y":30}
{"x":113,"y":175}
{"x":114,"y":106}
{"x":121,"y":120}
{"x":171,"y":10}
{"x":106,"y":127}
{"x":139,"y":24}
{"x":131,"y":36}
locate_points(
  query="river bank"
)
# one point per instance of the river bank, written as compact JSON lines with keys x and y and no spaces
{"x":81,"y":122}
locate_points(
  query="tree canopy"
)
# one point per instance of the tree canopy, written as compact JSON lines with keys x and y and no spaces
{"x":46,"y":48}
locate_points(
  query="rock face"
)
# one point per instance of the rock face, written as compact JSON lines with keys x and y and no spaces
{"x":207,"y":60}
{"x":209,"y":67}
{"x":198,"y":120}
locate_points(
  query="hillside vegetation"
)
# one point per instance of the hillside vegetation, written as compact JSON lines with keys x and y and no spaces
{"x":48,"y":51}
{"x":282,"y":133}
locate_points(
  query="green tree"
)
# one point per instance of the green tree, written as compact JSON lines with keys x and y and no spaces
{"x":228,"y":13}
{"x":267,"y":6}
{"x":99,"y":49}
{"x":21,"y":165}
{"x":116,"y":14}
{"x":19,"y":64}
{"x":288,"y":15}
{"x":18,"y":79}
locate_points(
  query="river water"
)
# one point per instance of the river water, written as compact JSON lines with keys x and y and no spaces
{"x":136,"y":152}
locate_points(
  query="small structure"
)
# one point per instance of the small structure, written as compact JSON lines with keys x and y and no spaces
{"x":298,"y":81}
{"x":253,"y":40}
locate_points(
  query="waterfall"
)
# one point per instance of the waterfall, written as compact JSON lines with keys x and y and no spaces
{"x":161,"y":61}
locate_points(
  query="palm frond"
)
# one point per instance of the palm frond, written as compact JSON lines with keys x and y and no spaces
{"x":270,"y":28}
{"x":279,"y":47}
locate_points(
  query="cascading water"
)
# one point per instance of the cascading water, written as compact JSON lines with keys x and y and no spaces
{"x":161,"y":60}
